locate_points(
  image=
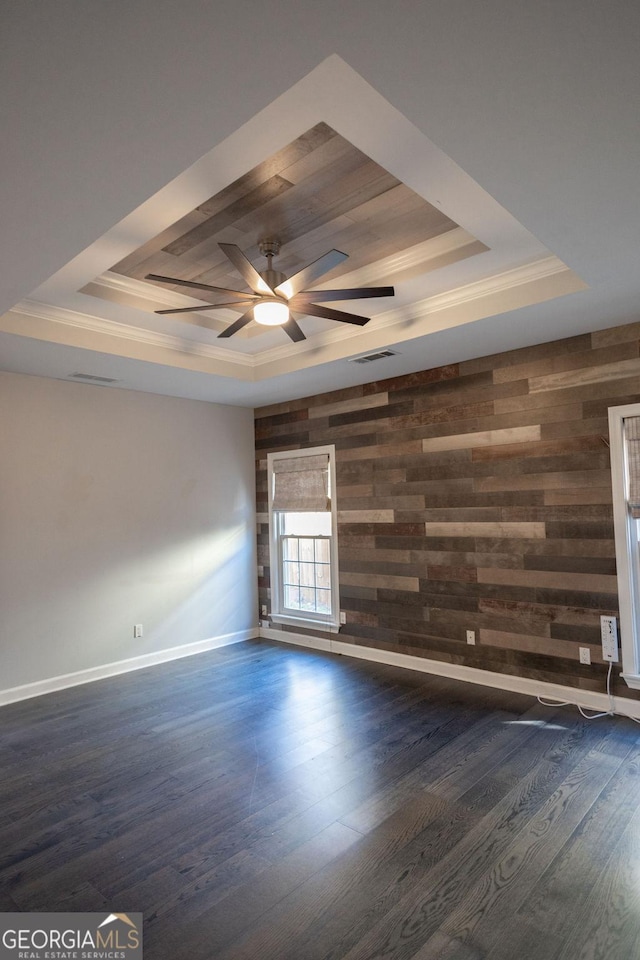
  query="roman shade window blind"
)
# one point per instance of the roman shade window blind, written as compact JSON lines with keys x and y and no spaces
{"x":632,"y":434}
{"x":301,"y":484}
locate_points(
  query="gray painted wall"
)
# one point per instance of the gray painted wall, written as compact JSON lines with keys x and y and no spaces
{"x":119,"y":508}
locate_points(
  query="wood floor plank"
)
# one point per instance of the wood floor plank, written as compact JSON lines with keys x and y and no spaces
{"x":266,"y":801}
{"x":524,"y":941}
{"x":442,"y":947}
{"x":225,"y":921}
{"x":354,"y":910}
{"x":425,"y":907}
{"x":581,"y":860}
{"x":607,"y":925}
{"x":509,"y":880}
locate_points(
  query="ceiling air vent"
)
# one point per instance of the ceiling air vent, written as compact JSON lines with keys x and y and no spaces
{"x":92,"y":378}
{"x":370,"y":357}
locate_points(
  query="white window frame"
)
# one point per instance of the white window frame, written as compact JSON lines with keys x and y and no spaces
{"x":329,"y":622}
{"x":626,"y":547}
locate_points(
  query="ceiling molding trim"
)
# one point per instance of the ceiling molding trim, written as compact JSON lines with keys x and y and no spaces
{"x":337,"y":343}
{"x":530,"y":273}
{"x":85,"y":322}
{"x":142,"y":290}
{"x":113,"y":287}
{"x":527,"y":273}
{"x":514,"y":277}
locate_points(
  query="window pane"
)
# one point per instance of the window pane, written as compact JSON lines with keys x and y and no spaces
{"x":291,"y":573}
{"x":323,"y":575}
{"x":322,"y":551}
{"x":292,"y":598}
{"x":323,"y":600}
{"x":307,"y":550}
{"x":290,"y":548}
{"x":307,"y":598}
{"x":306,"y":524}
{"x":307,"y":577}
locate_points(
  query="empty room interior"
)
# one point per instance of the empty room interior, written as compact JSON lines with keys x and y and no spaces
{"x":321,"y":642}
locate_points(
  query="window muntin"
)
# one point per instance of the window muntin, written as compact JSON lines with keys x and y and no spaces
{"x":306,"y":562}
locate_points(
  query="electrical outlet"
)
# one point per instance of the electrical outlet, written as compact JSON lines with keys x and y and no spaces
{"x":609,"y":637}
{"x":471,"y":636}
{"x":137,"y":630}
{"x":343,"y":617}
{"x":263,"y":610}
{"x":585,"y":655}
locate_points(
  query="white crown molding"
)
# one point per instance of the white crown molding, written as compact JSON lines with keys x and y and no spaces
{"x":537,"y":271}
{"x":466,"y":304}
{"x":532,"y":272}
{"x":110,"y":283}
{"x":97,"y":325}
{"x":142,"y":290}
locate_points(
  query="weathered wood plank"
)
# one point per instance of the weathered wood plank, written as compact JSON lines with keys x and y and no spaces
{"x":485,"y":529}
{"x":487,"y":438}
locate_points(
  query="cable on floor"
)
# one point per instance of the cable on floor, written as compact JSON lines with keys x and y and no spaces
{"x":588,"y":716}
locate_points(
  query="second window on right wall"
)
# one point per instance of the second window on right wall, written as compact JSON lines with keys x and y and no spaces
{"x":624,"y":433}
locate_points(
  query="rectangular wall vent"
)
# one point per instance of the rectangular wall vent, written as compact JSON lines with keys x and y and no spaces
{"x":370,"y":357}
{"x":92,"y":378}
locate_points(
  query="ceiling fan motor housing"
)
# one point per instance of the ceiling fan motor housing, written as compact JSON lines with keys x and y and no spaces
{"x":269,"y":247}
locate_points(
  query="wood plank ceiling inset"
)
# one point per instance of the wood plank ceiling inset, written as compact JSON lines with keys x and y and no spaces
{"x":316,"y":193}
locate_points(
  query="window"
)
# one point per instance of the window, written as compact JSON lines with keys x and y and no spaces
{"x":302,"y":530}
{"x":624,"y":433}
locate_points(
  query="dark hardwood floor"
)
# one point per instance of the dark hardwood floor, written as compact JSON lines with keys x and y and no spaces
{"x":264,"y":802}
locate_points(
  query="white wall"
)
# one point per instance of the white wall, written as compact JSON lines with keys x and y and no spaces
{"x":119,"y":508}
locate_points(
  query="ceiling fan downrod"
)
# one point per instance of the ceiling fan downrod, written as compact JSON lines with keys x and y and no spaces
{"x":270,"y":248}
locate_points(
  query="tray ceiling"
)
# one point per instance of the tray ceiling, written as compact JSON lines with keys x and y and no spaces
{"x":317,"y":193}
{"x":329,"y":164}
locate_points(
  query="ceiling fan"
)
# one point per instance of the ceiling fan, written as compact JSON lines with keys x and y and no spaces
{"x":273,"y":295}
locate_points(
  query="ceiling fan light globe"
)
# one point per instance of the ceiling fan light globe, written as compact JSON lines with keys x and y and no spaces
{"x":271,"y":313}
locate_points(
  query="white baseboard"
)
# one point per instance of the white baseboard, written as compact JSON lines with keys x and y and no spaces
{"x":40,"y":687}
{"x":298,"y":639}
{"x":588,"y":699}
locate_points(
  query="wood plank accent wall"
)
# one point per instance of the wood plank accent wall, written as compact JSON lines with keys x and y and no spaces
{"x":474,"y":496}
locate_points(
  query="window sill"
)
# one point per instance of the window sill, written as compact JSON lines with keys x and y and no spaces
{"x":632,"y":680}
{"x":329,"y":626}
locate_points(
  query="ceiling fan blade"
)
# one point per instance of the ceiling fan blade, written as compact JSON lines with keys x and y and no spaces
{"x":207,"y":306}
{"x":199,"y":286}
{"x":238,"y":324}
{"x":245,"y":268}
{"x":292,"y":330}
{"x":350,"y":293}
{"x":310,"y":273}
{"x":328,"y":313}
